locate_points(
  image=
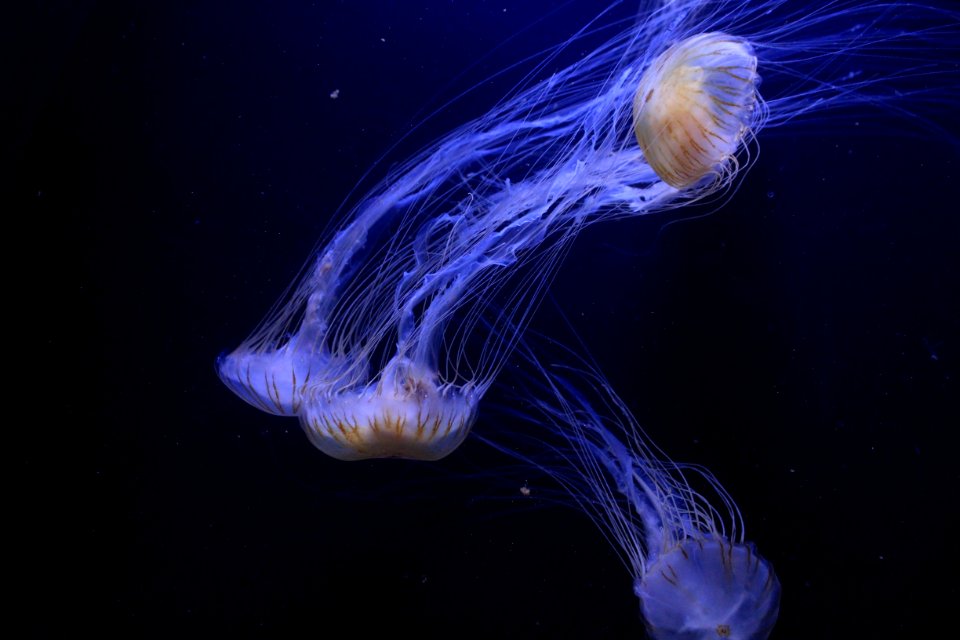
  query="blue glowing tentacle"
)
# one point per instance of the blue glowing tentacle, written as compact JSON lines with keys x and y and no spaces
{"x":633,"y":482}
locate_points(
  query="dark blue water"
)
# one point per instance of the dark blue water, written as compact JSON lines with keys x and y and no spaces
{"x":181,"y":159}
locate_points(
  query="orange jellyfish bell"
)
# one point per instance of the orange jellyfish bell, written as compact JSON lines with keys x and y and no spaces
{"x":404,"y":415}
{"x":694,"y":106}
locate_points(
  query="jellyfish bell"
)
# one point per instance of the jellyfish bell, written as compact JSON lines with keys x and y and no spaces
{"x":275,"y":382}
{"x":405,"y":414}
{"x":708,"y":588}
{"x":694,"y":106}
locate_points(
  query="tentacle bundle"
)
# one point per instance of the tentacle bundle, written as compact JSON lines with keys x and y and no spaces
{"x":694,"y":106}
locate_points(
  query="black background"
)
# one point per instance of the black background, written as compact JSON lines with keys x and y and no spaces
{"x":175,"y":163}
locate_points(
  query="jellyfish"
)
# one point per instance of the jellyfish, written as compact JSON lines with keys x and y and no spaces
{"x":676,"y":529}
{"x":401,"y":321}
